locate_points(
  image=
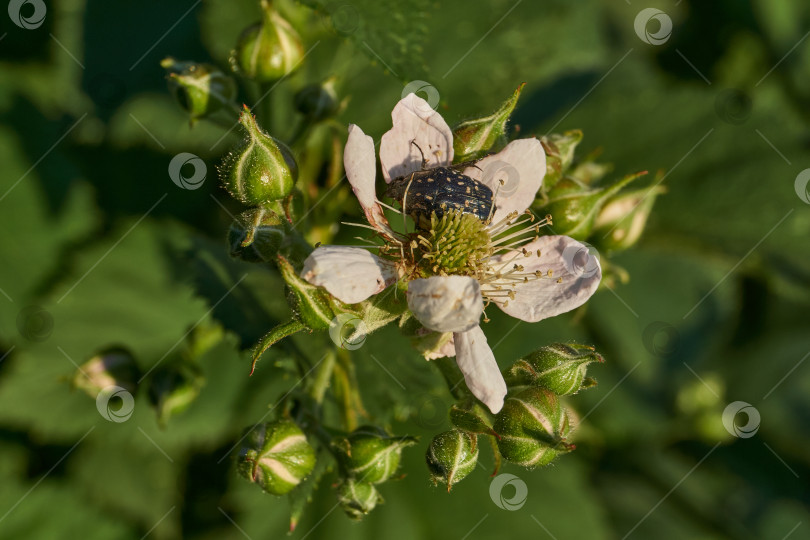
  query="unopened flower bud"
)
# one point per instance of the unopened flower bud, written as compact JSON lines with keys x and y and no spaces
{"x":471,"y":417}
{"x":256,"y":235}
{"x":261,"y":169}
{"x":451,"y":456}
{"x":173,"y":389}
{"x":532,"y":427}
{"x":370,"y":455}
{"x":317,"y":101}
{"x":110,"y":367}
{"x":311,"y":305}
{"x":560,"y":368}
{"x":473,"y":138}
{"x":575,"y":207}
{"x":621,"y":221}
{"x":358,"y":498}
{"x":276,"y":456}
{"x":270,"y":49}
{"x":201,"y":89}
{"x":559,"y":155}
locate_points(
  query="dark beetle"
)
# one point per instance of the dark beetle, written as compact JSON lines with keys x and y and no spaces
{"x":438,"y":191}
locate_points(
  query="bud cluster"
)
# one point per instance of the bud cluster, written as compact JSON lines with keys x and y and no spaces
{"x":534,"y":425}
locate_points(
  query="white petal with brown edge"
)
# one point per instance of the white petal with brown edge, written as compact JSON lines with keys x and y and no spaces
{"x":514,"y":175}
{"x":446,"y":303}
{"x":415,"y":121}
{"x":349,"y":274}
{"x":481,"y":372}
{"x":360,"y":162}
{"x":570,"y":275}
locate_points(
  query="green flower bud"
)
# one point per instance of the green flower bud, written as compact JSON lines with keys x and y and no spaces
{"x":358,"y":498}
{"x":311,"y":305}
{"x":110,"y":367}
{"x":256,"y":235}
{"x":574,"y":207}
{"x":473,"y":138}
{"x":261,"y":170}
{"x":532,"y":427}
{"x":471,"y":417}
{"x":589,"y":172}
{"x":451,"y":456}
{"x":269,"y":50}
{"x":621,"y":221}
{"x":559,"y":155}
{"x":276,"y":456}
{"x":201,"y":89}
{"x":173,"y":389}
{"x":369,"y":454}
{"x":317,"y":101}
{"x":560,"y":368}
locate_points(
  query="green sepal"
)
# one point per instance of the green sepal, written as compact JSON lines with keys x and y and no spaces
{"x":574,"y":207}
{"x":473,"y":138}
{"x":272,"y":337}
{"x":470,"y":416}
{"x":311,"y":305}
{"x":559,"y":155}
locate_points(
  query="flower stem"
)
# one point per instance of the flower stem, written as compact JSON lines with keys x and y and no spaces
{"x":323,"y":375}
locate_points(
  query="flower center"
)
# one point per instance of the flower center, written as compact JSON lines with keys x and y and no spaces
{"x":455,"y":244}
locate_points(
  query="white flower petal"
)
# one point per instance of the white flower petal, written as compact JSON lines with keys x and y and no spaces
{"x":574,"y":277}
{"x":350,"y":274}
{"x":414,"y":120}
{"x":446,"y":303}
{"x":521,"y":167}
{"x":481,"y":373}
{"x":360,"y":163}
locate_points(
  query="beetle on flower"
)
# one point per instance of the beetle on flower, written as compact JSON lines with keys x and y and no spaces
{"x":456,"y":264}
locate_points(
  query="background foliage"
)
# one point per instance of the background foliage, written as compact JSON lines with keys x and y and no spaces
{"x":94,"y":233}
